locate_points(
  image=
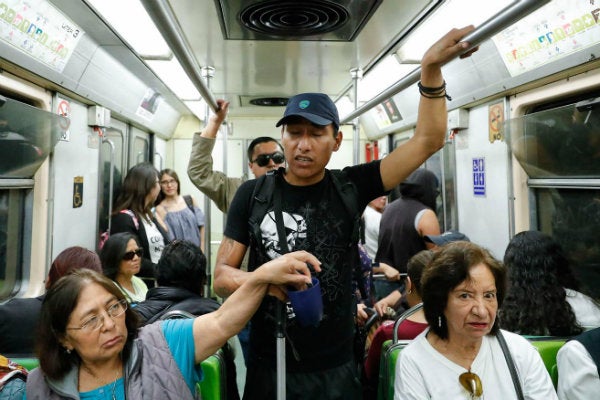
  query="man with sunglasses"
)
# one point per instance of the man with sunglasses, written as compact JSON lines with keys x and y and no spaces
{"x":264,"y":154}
{"x":310,"y":208}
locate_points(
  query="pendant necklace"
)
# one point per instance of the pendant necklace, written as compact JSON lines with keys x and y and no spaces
{"x":114,"y":386}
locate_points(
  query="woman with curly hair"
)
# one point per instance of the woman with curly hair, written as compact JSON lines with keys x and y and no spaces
{"x":542,"y":298}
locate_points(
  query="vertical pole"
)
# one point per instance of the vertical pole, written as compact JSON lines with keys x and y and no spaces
{"x":207,"y":74}
{"x":356,"y":74}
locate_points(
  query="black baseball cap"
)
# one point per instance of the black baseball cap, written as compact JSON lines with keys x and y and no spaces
{"x":315,"y":107}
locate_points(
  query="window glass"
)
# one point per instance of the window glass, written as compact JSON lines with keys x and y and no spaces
{"x":562,"y":142}
{"x":572,"y":216}
{"x":12,"y":203}
{"x":116,"y":139}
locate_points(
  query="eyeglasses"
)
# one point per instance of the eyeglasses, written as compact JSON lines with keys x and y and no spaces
{"x":130,"y":254}
{"x":96,"y":321}
{"x":471,"y":382}
{"x":262,"y":160}
{"x":169,"y":182}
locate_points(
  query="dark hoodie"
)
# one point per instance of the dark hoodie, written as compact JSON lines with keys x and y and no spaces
{"x":398,"y":238}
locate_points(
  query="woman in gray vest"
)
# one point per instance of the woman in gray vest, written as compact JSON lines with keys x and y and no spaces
{"x":91,"y":345}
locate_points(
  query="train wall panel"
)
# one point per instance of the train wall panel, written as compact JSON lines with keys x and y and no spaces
{"x":75,"y":175}
{"x":484,"y":218}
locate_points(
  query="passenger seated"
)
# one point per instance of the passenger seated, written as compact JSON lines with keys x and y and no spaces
{"x":121,"y":260}
{"x":91,"y":340}
{"x":181,"y":276}
{"x":542,"y":298}
{"x":460,"y":356}
{"x":19,"y":317}
{"x":409,"y":328}
{"x":578,"y":363}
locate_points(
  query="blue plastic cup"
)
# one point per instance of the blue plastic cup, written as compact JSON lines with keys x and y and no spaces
{"x":307,"y":304}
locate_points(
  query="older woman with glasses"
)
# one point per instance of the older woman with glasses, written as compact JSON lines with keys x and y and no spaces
{"x":463,"y":354}
{"x":91,"y":346}
{"x":121,"y":259}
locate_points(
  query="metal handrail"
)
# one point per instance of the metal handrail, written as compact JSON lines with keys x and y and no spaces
{"x":164,"y":18}
{"x":403,"y":317}
{"x":495,"y":24}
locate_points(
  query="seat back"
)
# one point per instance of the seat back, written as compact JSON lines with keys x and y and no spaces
{"x":28,"y":362}
{"x":548,"y":348}
{"x":387,"y":370}
{"x":214,"y":384}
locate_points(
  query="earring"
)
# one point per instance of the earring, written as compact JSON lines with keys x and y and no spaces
{"x":409,"y":291}
{"x":68,"y":350}
{"x":439,"y":321}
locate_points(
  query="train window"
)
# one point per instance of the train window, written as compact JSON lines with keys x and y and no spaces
{"x":572,"y":216}
{"x":12,"y":206}
{"x":562,"y":142}
{"x":113,"y":148}
{"x":558,"y":146}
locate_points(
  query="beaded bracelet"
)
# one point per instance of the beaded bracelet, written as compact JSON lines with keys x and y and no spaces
{"x":434,"y":93}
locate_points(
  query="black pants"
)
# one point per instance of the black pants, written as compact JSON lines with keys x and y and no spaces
{"x":339,"y":383}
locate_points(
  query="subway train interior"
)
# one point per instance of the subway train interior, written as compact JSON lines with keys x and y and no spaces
{"x":90,"y":88}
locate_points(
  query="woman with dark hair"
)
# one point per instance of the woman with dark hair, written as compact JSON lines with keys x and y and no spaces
{"x":460,"y":355}
{"x":182,"y":217}
{"x":91,"y":346}
{"x":542,"y":298}
{"x":121,"y":259}
{"x":19,"y":317}
{"x":133,"y":213}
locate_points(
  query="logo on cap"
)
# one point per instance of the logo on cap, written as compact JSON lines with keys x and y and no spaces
{"x":304,"y":104}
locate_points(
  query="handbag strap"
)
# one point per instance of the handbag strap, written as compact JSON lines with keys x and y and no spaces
{"x":511,"y":365}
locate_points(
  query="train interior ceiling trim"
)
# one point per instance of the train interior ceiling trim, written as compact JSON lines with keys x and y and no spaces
{"x":80,"y":99}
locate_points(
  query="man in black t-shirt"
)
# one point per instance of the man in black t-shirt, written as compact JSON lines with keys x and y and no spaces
{"x":319,"y":231}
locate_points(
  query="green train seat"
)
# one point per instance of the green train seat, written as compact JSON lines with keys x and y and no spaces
{"x":548,"y":347}
{"x":389,"y":355}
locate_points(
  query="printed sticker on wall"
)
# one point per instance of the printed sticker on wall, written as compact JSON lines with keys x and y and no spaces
{"x":77,"y":191}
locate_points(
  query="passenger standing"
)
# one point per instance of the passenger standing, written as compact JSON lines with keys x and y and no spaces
{"x":404,"y":223}
{"x":19,"y":317}
{"x":542,"y":298}
{"x":121,"y":260}
{"x":183,"y":218}
{"x":371,"y":220}
{"x":321,"y":359}
{"x":133,"y":213}
{"x":264,"y":154}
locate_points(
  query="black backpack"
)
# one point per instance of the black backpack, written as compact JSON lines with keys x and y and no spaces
{"x":263,"y":194}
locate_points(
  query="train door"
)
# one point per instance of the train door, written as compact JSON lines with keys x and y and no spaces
{"x":139,"y":151}
{"x":113,"y":159}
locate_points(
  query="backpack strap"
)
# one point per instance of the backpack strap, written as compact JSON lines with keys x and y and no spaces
{"x":188,"y":200}
{"x":349,"y":194}
{"x":133,"y":217}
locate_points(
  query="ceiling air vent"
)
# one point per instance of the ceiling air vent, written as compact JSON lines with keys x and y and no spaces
{"x":270,"y":101}
{"x":316,"y":20}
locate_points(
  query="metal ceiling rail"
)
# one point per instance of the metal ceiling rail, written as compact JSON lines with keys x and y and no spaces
{"x":495,"y":24}
{"x":164,"y":18}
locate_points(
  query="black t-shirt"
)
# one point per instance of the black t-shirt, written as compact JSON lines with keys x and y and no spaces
{"x":317,"y":221}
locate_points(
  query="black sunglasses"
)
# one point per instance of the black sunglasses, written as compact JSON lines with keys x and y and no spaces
{"x":130,"y":254}
{"x":263,"y":159}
